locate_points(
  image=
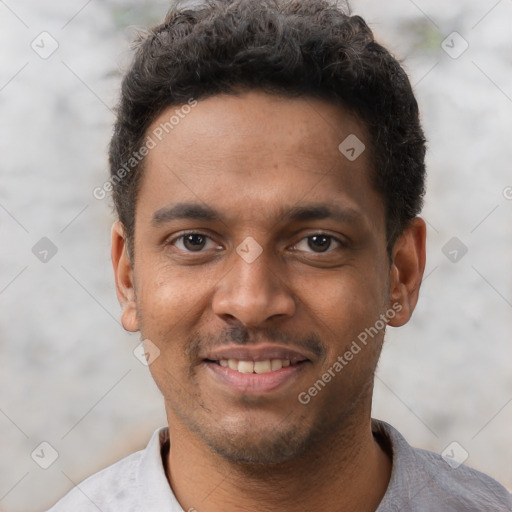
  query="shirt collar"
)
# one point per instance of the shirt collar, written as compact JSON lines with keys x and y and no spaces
{"x":403,"y":457}
{"x":153,"y":487}
{"x":156,"y":493}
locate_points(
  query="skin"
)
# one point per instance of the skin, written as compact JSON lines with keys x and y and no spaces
{"x":252,"y":157}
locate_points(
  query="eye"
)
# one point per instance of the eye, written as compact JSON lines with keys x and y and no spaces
{"x":318,"y":243}
{"x":193,"y":242}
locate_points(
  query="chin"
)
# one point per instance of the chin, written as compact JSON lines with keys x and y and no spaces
{"x":258,"y":448}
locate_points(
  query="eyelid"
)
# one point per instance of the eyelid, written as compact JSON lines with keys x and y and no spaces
{"x":334,"y":238}
{"x":171,"y":240}
{"x":181,"y":234}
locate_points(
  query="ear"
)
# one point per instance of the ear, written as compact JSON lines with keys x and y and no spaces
{"x":406,"y":273}
{"x":123,"y":273}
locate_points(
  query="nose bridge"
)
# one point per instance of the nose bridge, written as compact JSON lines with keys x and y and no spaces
{"x":252,"y":291}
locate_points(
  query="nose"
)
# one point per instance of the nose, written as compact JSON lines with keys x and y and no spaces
{"x":253,"y":293}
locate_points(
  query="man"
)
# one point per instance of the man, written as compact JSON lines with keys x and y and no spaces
{"x":267,"y":167}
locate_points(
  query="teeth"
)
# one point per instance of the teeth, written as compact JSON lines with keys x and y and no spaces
{"x":245,"y":366}
{"x":261,"y":366}
{"x":277,"y":364}
{"x":265,"y":366}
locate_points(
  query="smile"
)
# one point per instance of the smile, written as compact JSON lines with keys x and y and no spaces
{"x":255,"y":369}
{"x":259,"y":367}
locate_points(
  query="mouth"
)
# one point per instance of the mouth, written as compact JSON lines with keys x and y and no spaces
{"x":255,"y":370}
{"x":258,"y":367}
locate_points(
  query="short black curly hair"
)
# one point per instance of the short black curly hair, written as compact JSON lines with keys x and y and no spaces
{"x":293,"y":48}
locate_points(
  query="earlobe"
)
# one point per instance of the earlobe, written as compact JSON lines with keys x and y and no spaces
{"x":123,"y":272}
{"x":406,"y":273}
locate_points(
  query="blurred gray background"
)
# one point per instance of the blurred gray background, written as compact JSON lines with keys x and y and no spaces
{"x":68,"y":374}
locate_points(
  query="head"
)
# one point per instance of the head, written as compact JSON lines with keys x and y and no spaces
{"x":273,"y":171}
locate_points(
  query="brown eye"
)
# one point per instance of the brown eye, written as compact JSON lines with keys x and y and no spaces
{"x":194,"y":242}
{"x":319,"y":243}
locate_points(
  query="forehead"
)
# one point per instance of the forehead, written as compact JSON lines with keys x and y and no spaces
{"x":246,"y":156}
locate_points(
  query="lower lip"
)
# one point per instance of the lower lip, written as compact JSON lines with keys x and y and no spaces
{"x":254,"y":383}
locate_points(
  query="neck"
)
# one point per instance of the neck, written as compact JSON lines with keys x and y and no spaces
{"x":346,"y":470}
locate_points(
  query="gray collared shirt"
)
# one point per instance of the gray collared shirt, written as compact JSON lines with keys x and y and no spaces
{"x":421,"y":481}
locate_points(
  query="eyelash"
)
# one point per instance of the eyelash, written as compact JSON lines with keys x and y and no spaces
{"x":333,"y":239}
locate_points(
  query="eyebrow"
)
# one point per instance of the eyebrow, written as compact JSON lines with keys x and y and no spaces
{"x":320,"y":212}
{"x":196,"y":211}
{"x":193,"y":211}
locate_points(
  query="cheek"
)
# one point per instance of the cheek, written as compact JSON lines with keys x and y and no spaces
{"x":169,"y":308}
{"x":352,"y":293}
{"x":167,"y":289}
{"x":167,"y":304}
{"x":344,"y":304}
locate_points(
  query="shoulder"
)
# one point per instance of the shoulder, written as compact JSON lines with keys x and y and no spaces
{"x":114,"y":486}
{"x":422,"y":480}
{"x":121,"y":486}
{"x":462,"y":487}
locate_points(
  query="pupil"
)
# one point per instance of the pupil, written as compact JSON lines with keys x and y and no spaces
{"x":194,"y":242}
{"x":321,"y":242}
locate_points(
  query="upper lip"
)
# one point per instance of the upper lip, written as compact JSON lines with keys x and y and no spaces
{"x":259,"y":352}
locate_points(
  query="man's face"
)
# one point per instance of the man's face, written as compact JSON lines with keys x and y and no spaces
{"x":257,"y":240}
